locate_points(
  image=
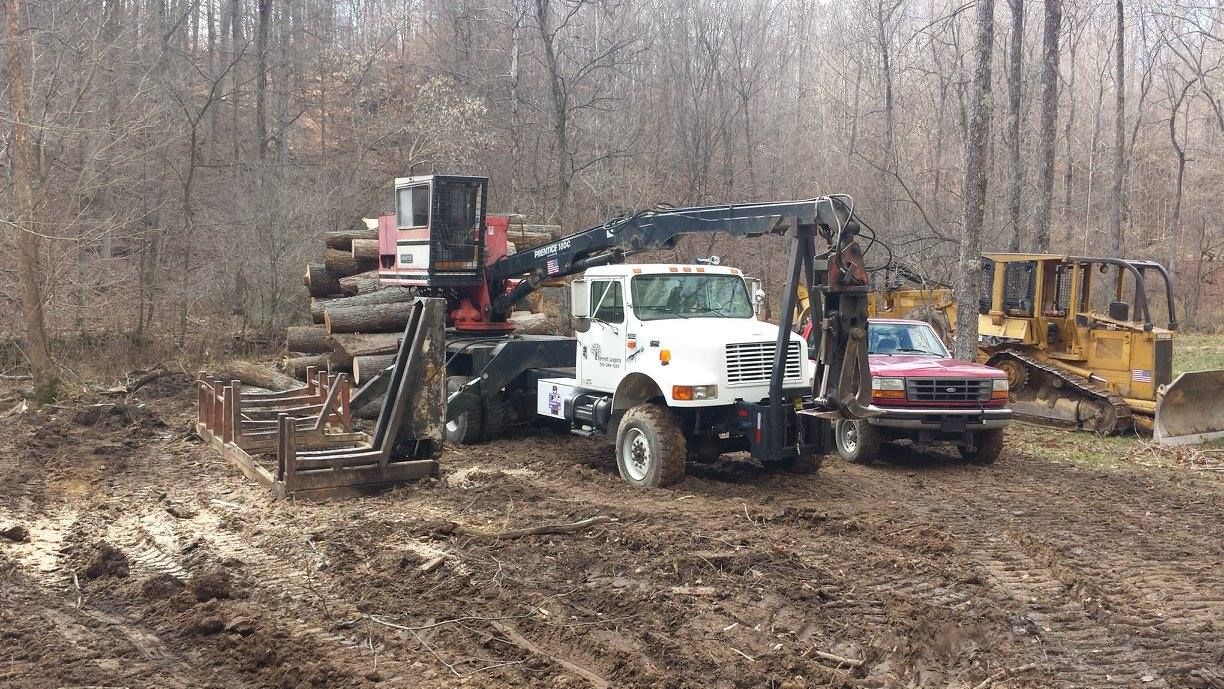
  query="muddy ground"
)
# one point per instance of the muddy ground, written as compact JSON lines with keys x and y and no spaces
{"x":131,"y":556}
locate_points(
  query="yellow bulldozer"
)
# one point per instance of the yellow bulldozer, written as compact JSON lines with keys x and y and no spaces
{"x":1077,"y":353}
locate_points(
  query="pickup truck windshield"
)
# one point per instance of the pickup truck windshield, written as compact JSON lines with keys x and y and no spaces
{"x":689,"y":295}
{"x":903,"y":338}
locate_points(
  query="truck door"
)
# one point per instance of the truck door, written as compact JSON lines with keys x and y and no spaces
{"x":601,"y":351}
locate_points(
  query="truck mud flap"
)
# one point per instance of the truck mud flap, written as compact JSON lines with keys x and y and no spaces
{"x":1191,"y":410}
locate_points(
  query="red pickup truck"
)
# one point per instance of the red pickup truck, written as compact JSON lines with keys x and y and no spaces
{"x":926,"y":396}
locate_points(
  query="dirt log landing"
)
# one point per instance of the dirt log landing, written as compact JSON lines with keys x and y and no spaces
{"x":145,"y":560}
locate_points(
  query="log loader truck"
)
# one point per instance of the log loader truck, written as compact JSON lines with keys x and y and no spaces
{"x":667,"y":359}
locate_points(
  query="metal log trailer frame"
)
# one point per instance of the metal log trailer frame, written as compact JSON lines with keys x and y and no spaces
{"x":318,"y":456}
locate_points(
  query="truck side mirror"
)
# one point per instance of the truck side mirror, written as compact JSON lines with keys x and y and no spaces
{"x":580,"y":299}
{"x":580,"y":305}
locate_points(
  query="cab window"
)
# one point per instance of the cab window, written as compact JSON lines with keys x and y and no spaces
{"x":412,"y":206}
{"x":607,"y":302}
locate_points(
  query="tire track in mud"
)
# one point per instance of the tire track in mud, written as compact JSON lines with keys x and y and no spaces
{"x":1123,"y":585}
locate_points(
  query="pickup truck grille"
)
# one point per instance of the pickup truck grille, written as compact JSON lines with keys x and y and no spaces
{"x":752,"y":362}
{"x":946,"y":390}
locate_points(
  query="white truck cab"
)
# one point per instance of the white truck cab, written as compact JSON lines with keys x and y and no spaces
{"x":668,"y":349}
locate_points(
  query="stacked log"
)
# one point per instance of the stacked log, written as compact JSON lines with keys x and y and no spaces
{"x":356,"y":323}
{"x":352,"y":316}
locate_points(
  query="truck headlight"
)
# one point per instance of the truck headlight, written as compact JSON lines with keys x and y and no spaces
{"x":888,"y":388}
{"x":998,"y":385}
{"x":888,"y":384}
{"x":694,"y":392}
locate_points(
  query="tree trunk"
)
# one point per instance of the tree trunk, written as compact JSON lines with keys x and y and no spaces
{"x":974,"y":194}
{"x":378,"y":318}
{"x":1047,"y":124}
{"x":1015,"y":56}
{"x":38,"y":351}
{"x":560,"y":107}
{"x":296,"y":365}
{"x":349,"y":346}
{"x":367,"y":367}
{"x":254,"y":374}
{"x":1179,"y":153}
{"x":365,"y":250}
{"x":320,"y":281}
{"x":308,"y":339}
{"x":343,"y":239}
{"x":1115,"y":197}
{"x":388,"y":295}
{"x":342,"y":264}
{"x":361,"y":283}
{"x":261,"y":78}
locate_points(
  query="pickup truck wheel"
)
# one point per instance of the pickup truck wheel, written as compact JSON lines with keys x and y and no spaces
{"x":650,"y":448}
{"x":467,"y":429}
{"x":857,"y":440}
{"x":987,"y":446}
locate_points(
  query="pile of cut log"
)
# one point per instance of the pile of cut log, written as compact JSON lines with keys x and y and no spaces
{"x":356,"y":324}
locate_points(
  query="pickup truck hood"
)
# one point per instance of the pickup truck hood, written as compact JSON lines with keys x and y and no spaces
{"x":911,"y":365}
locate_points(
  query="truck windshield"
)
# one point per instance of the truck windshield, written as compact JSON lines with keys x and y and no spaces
{"x":688,"y":295}
{"x":903,"y":338}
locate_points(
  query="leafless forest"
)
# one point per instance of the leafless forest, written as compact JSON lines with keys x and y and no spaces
{"x":184,"y":155}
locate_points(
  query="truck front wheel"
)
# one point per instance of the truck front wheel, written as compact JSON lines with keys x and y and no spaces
{"x":987,"y":446}
{"x":857,"y":440}
{"x":650,"y":448}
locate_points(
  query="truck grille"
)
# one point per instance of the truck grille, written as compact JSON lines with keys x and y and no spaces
{"x":752,"y":362}
{"x":946,"y":390}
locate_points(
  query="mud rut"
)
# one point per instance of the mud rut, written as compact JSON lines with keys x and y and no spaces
{"x":929,"y":572}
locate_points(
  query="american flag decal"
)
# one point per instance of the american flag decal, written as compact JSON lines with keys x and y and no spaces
{"x":552,"y":266}
{"x":1141,"y":375}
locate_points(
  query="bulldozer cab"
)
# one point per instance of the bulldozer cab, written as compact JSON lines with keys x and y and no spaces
{"x":1091,"y":315}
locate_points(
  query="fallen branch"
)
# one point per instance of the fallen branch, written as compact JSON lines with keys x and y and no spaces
{"x":154,"y":374}
{"x":514,"y":637}
{"x":461,"y":530}
{"x":840,"y":660}
{"x":1004,"y":674}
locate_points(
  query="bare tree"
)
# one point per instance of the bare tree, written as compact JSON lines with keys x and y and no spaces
{"x":1015,"y":73}
{"x":1119,"y":162}
{"x":976,"y":171}
{"x":38,"y":351}
{"x":1047,"y":134}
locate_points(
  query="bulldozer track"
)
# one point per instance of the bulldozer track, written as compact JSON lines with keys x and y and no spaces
{"x":1122,"y":413}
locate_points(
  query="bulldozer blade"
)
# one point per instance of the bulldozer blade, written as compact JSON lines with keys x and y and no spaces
{"x":1191,"y":410}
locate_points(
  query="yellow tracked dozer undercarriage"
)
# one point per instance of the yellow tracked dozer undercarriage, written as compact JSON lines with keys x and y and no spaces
{"x":1072,"y":358}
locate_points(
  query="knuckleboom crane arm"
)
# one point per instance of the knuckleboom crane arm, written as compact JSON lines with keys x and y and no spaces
{"x":836,"y":274}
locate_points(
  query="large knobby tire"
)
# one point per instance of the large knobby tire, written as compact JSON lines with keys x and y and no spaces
{"x":650,"y":448}
{"x":468,"y":429}
{"x":987,"y":446}
{"x":493,"y":411}
{"x":857,"y":441}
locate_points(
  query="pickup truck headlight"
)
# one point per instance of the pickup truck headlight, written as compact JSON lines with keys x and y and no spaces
{"x":999,"y":384}
{"x":694,"y":392}
{"x":888,"y":388}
